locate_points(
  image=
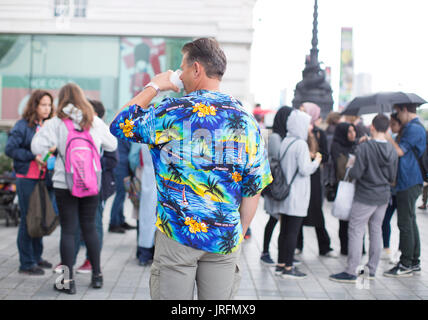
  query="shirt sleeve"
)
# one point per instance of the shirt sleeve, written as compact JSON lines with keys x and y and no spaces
{"x":414,"y":138}
{"x":13,"y":147}
{"x":357,"y":171}
{"x":257,"y":175}
{"x":140,"y":125}
{"x":45,"y":138}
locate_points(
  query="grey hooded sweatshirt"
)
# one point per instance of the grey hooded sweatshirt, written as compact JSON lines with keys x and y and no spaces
{"x":297,"y":159}
{"x":374,"y":170}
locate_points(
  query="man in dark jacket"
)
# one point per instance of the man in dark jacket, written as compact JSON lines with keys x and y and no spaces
{"x":374,"y":169}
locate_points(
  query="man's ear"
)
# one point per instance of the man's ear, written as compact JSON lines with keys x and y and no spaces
{"x":197,"y":69}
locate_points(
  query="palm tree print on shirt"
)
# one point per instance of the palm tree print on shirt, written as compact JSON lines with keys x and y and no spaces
{"x":199,"y":198}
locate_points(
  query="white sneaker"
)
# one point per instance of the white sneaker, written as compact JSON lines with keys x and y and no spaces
{"x":331,"y":254}
{"x":297,"y":252}
{"x":386,"y":254}
{"x":395,"y":258}
{"x":58,"y":269}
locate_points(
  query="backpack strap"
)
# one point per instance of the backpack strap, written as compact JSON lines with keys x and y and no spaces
{"x":283,"y":155}
{"x":297,"y":169}
{"x":69,"y":124}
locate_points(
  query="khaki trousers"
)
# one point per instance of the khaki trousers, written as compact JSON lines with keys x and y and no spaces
{"x":176,"y":268}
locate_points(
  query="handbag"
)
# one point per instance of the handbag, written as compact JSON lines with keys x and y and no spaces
{"x":133,"y":186}
{"x":41,"y":216}
{"x":344,"y":197}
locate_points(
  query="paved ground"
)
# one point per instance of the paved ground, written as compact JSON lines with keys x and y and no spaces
{"x":125,"y":279}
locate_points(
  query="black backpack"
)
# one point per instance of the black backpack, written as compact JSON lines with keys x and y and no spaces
{"x":279,"y":187}
{"x":423,"y":160}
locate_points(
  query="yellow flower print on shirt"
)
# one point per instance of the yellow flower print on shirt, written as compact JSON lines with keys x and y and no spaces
{"x":204,"y":110}
{"x":236,"y":176}
{"x":127,"y":128}
{"x":195,"y":226}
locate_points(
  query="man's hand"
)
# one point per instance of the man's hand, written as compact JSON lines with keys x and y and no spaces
{"x":163,"y":82}
{"x":351,"y":161}
{"x":363,"y":139}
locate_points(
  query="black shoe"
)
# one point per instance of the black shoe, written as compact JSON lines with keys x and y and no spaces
{"x":278,"y":270}
{"x":399,"y":271}
{"x":416,"y":268}
{"x":97,"y":281}
{"x":34,"y":271}
{"x":44,"y":264}
{"x":127,"y":226}
{"x":116,"y":229}
{"x":293,"y":273}
{"x":68,"y":286}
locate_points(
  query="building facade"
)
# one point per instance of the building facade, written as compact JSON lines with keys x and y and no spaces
{"x":111,"y":48}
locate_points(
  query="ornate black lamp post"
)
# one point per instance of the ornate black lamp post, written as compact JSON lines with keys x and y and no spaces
{"x":314,"y":87}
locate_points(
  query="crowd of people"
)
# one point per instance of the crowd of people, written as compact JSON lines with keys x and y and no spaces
{"x":197,"y":166}
{"x":381,"y":159}
{"x":37,"y":144}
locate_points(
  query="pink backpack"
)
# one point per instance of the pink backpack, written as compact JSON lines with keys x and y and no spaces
{"x":82,"y":163}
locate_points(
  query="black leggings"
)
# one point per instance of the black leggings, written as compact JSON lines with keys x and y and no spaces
{"x":73,"y":210}
{"x":287,"y":240}
{"x":270,"y":225}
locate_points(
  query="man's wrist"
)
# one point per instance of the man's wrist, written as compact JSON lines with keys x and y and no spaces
{"x":153,"y":86}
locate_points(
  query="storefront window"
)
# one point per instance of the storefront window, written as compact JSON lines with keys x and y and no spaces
{"x":15,"y":70}
{"x":141,"y":58}
{"x":109,"y":69}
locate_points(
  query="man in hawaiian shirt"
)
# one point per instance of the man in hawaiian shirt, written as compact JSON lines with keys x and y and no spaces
{"x":210,"y":166}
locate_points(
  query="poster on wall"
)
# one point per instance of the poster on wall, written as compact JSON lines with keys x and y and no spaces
{"x":16,"y":90}
{"x":141,"y":59}
{"x":346,"y":68}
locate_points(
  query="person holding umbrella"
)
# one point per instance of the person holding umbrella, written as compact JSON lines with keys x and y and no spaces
{"x":409,"y":186}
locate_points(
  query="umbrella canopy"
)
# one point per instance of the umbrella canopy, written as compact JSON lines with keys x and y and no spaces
{"x":381,"y":102}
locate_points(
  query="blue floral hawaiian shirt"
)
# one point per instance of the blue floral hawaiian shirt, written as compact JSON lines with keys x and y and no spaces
{"x":208,"y":153}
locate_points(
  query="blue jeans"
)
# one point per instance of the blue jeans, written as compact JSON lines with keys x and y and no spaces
{"x":116,"y":216}
{"x":99,"y":227}
{"x":30,"y":249}
{"x":386,"y":224}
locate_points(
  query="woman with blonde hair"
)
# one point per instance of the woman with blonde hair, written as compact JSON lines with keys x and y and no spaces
{"x":28,"y":167}
{"x":73,"y":210}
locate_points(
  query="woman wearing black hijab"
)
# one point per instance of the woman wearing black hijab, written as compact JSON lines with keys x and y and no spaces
{"x":344,"y":143}
{"x":279,"y":131}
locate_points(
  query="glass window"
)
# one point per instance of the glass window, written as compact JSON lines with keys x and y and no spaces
{"x":90,"y":61}
{"x":108,"y":68}
{"x":61,"y":8}
{"x":15,"y":67}
{"x":141,"y":58}
{"x":80,"y":8}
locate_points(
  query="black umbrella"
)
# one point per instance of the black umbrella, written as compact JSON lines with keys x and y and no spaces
{"x":381,"y":102}
{"x":406,"y":98}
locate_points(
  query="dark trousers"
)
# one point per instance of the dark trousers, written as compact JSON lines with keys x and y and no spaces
{"x":343,"y":236}
{"x":30,"y":249}
{"x":409,"y":246}
{"x":116,"y":215}
{"x":322,"y":237}
{"x":270,"y":225}
{"x":287,"y":240}
{"x":72,"y":211}
{"x":386,"y":224}
{"x":98,"y":225}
